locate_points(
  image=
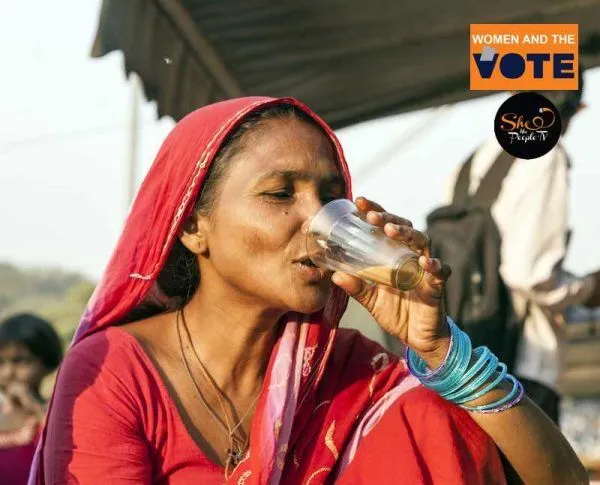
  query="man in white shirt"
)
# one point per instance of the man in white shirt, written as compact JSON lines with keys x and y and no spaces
{"x":531,"y":215}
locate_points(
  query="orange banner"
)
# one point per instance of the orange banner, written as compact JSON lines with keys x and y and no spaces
{"x":524,"y":57}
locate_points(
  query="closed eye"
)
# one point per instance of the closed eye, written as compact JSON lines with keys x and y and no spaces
{"x":280,"y":195}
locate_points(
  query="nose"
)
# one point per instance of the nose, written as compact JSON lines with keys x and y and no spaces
{"x":310,"y":205}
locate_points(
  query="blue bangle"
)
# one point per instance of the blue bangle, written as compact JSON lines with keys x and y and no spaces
{"x":471,"y":382}
{"x":424,"y":375}
{"x":488,"y":407}
{"x":516,"y":400}
{"x":456,"y":363}
{"x":490,"y":387}
{"x":453,"y":379}
{"x":459,"y":380}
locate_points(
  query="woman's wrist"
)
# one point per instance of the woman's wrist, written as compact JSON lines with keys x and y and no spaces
{"x":436,"y":357}
{"x":472,"y":379}
{"x":438,"y":352}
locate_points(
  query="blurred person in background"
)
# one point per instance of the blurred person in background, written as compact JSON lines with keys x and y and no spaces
{"x":529,"y":205}
{"x":30,"y":350}
{"x":210,"y":351}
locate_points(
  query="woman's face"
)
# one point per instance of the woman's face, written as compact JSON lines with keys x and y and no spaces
{"x":19,"y":365}
{"x":285,"y":172}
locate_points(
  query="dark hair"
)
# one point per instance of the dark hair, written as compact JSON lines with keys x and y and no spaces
{"x":36,"y":334}
{"x":180,"y":276}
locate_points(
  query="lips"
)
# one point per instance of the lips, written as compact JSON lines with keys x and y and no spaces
{"x":306,"y":262}
{"x":309,"y":270}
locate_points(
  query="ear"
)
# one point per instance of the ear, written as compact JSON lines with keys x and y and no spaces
{"x":194,"y":234}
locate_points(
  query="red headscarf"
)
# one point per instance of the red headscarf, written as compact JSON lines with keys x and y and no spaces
{"x":323,"y":390}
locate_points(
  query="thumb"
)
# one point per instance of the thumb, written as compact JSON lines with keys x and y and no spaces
{"x":359,"y":289}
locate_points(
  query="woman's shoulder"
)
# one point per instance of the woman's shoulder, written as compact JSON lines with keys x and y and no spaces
{"x":125,"y":356}
{"x":107,"y":371}
{"x":101,"y":344}
{"x":122,"y":345}
{"x":112,"y":351}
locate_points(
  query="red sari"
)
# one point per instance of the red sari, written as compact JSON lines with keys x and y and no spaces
{"x":334,"y":405}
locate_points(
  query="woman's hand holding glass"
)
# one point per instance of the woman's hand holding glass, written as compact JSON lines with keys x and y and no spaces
{"x":416,"y":317}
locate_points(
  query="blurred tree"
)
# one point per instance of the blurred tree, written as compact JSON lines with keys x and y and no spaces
{"x":54,"y":294}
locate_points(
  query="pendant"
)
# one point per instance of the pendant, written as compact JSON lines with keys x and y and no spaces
{"x":235,"y":455}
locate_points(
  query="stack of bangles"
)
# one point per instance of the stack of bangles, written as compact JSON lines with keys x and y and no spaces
{"x":465,"y":376}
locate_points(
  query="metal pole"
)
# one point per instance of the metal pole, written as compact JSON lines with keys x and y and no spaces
{"x":133,"y":140}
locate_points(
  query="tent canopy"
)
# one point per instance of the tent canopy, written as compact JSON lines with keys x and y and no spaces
{"x":350,"y":60}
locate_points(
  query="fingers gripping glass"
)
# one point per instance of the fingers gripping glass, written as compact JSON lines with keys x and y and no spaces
{"x":340,"y":239}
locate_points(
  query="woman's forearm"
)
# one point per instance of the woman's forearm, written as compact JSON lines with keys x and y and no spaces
{"x":531,"y":442}
{"x":534,"y":445}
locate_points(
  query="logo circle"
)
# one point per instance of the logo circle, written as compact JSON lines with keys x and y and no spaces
{"x":527,"y":125}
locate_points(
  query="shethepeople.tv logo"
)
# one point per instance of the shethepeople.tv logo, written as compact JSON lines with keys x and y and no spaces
{"x":524,"y":57}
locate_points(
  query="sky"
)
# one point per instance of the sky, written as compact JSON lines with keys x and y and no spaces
{"x":64,"y":146}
